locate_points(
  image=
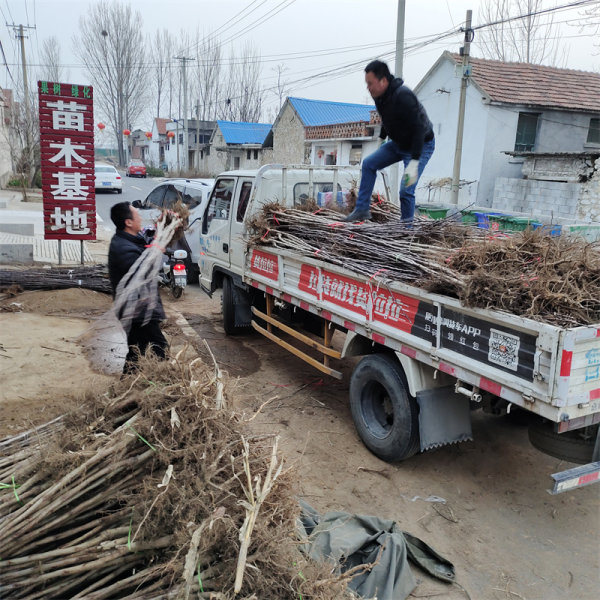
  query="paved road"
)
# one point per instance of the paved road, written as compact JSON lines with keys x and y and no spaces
{"x":133,"y":189}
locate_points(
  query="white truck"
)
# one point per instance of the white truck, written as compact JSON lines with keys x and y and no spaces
{"x":428,"y":360}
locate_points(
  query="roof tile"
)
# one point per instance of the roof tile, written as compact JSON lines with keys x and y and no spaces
{"x":536,"y":85}
{"x":236,"y":132}
{"x":321,"y":112}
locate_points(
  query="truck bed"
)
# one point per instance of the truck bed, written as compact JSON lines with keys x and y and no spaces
{"x":549,"y":370}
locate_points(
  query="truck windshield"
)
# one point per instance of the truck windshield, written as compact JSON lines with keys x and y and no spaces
{"x":220,"y":202}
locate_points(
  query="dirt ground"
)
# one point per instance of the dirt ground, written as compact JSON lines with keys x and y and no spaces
{"x":482,"y":504}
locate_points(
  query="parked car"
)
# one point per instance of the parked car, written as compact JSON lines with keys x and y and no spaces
{"x":194,"y":193}
{"x":107,"y":178}
{"x":136,"y":168}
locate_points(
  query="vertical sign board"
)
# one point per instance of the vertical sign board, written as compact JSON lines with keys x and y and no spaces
{"x":67,"y":157}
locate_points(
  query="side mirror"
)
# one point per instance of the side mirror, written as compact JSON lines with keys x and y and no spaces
{"x":137,"y":204}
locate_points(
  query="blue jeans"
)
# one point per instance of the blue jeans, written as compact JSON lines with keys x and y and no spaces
{"x":387,"y":155}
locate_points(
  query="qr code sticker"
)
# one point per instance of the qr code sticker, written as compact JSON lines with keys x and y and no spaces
{"x":504,"y":349}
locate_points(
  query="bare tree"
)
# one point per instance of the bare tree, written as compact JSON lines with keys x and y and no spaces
{"x":590,"y":22}
{"x":162,"y":47}
{"x":51,"y":69}
{"x":208,"y":76}
{"x":280,"y":90}
{"x":22,"y":138}
{"x":111,"y":46}
{"x":244,"y":94}
{"x":531,"y":39}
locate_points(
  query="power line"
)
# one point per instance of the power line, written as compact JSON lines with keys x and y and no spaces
{"x":227,"y":25}
{"x":579,"y":3}
{"x":6,"y":64}
{"x":260,"y":20}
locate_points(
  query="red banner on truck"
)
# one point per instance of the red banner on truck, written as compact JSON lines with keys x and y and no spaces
{"x":67,"y":158}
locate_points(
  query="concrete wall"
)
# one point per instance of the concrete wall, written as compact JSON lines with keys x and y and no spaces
{"x":288,"y":138}
{"x":551,"y":200}
{"x":440,"y":97}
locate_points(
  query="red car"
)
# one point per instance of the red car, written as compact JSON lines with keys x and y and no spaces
{"x":136,"y":168}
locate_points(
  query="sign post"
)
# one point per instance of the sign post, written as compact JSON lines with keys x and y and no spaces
{"x":67,"y":158}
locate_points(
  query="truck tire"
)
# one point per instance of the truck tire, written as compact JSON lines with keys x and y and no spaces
{"x":385,"y":415}
{"x":229,"y":310}
{"x":228,"y":307}
{"x":570,"y":446}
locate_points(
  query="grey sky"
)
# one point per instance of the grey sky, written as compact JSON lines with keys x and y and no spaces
{"x":345,"y":31}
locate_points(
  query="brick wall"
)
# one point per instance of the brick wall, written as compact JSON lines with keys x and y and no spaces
{"x":339,"y":130}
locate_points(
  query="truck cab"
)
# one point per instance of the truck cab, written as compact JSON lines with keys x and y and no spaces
{"x":239,"y":195}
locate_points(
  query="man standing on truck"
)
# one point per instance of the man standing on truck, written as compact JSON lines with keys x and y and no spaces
{"x":406,"y":123}
{"x":126,"y":246}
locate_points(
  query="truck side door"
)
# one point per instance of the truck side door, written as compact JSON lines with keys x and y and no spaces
{"x":238,"y":228}
{"x":214,"y":241}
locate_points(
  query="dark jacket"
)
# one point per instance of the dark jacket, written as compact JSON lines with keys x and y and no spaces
{"x":124,"y":250}
{"x":404,"y":118}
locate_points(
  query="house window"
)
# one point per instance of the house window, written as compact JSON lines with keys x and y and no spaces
{"x":526,"y":132}
{"x":593,"y":136}
{"x":355,"y":154}
{"x":236,"y":162}
{"x":255,"y":154}
{"x":248,"y":154}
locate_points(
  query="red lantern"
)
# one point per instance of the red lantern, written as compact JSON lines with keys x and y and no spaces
{"x":148,"y":134}
{"x":101,"y":126}
{"x":170,"y":134}
{"x":126,"y":132}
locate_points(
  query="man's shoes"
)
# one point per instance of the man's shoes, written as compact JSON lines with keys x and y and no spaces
{"x":358,"y":215}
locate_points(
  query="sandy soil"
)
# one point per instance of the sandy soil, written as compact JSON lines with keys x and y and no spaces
{"x":506,"y":536}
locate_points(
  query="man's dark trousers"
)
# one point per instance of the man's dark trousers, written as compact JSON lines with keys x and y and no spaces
{"x":139,"y":338}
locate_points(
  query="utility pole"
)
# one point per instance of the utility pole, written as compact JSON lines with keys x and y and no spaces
{"x":466,"y":73}
{"x":186,"y":152}
{"x":398,"y":68}
{"x":400,"y":39}
{"x":26,"y":100}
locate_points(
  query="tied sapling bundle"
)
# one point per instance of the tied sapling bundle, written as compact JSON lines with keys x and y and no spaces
{"x":137,"y":293}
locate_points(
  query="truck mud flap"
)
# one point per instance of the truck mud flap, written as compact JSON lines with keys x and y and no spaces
{"x":444,"y":417}
{"x":241,"y":305}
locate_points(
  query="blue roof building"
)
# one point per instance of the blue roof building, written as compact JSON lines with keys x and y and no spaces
{"x":323,"y":132}
{"x":322,"y":112}
{"x":235,"y":132}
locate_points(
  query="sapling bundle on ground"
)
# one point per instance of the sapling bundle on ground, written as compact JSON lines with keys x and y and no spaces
{"x":55,"y":278}
{"x":149,"y":491}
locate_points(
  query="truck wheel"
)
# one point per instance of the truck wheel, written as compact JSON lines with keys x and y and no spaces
{"x":571,"y":446}
{"x":228,"y":307}
{"x":385,"y":415}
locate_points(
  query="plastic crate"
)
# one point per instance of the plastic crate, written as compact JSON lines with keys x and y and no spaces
{"x":589,"y":232}
{"x":468,"y":217}
{"x":497,"y":222}
{"x":520,"y":223}
{"x":433,"y":212}
{"x":552,"y":229}
{"x":483,"y":218}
